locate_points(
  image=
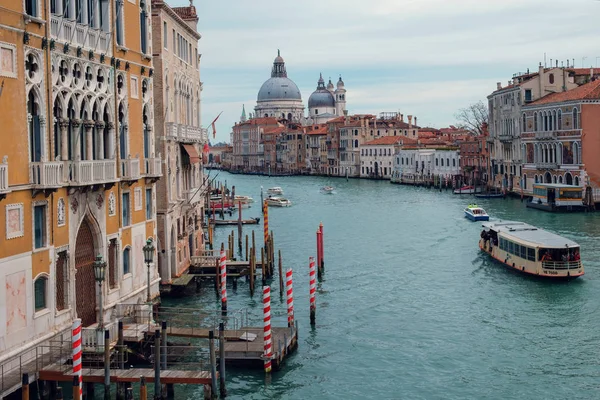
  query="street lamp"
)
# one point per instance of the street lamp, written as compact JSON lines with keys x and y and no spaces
{"x":99,"y":275}
{"x":149,"y":258}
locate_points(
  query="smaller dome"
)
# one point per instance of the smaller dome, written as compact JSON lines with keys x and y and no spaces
{"x":340,"y":83}
{"x":330,"y":85}
{"x":321,"y":98}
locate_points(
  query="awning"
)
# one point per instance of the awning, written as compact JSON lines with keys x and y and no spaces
{"x":191,"y":151}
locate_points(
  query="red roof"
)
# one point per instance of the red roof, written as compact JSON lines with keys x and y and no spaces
{"x":274,"y":129}
{"x":186,"y":12}
{"x":320,"y":129}
{"x":386,"y":140}
{"x":589,"y":91}
{"x":584,"y":71}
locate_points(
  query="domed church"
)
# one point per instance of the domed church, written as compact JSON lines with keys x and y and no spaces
{"x":280,"y":97}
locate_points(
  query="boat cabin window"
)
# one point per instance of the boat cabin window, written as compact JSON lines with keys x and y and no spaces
{"x":539,"y":191}
{"x":571,"y":194}
{"x":525,"y":252}
{"x":566,"y":254}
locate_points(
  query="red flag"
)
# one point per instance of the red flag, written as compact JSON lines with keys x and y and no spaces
{"x":213,"y":124}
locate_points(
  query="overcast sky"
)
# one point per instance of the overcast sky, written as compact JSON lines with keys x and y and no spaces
{"x":421,"y":57}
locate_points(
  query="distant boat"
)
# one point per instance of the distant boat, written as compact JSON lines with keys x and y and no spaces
{"x":275,"y":190}
{"x":476,"y":213}
{"x":327,"y":189}
{"x":467,"y":190}
{"x":490,"y":195}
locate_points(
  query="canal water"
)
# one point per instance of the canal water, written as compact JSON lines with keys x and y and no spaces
{"x":408,"y":307}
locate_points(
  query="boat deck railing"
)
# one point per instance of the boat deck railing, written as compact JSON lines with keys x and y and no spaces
{"x":561,"y":265}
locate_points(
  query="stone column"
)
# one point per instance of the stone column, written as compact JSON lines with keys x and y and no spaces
{"x":76,"y":123}
{"x":89,"y":140}
{"x":64,"y":139}
{"x":111,"y":144}
{"x":100,"y":140}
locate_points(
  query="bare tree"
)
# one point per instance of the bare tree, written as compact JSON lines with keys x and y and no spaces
{"x":473,"y":117}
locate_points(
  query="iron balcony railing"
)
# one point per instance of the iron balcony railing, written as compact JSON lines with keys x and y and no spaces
{"x":46,"y":174}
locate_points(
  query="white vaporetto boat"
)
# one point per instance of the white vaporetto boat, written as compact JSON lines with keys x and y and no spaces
{"x":275,"y":190}
{"x":531,"y":250}
{"x":278,"y":201}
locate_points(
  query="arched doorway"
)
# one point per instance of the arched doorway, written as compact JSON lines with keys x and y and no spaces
{"x":85,"y":284}
{"x":376,"y":169}
{"x":547,"y":177}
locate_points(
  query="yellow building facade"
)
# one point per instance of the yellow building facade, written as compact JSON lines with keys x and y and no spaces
{"x":77,"y":164}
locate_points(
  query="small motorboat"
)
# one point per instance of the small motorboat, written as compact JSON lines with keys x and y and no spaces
{"x":275,"y":190}
{"x":251,"y":221}
{"x":327,"y":189}
{"x":278,"y":201}
{"x":467,"y":190}
{"x":476,"y":213}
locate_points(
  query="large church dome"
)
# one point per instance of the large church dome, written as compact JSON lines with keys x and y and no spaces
{"x":279,"y":86}
{"x":321,"y":97}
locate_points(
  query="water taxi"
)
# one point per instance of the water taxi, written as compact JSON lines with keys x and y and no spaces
{"x":556,"y":197}
{"x":275,"y":190}
{"x":327,"y":189}
{"x":467,"y":190}
{"x":277,"y":201}
{"x":476,"y":213}
{"x":531,"y":250}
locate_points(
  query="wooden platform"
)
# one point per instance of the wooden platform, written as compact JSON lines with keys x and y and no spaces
{"x":226,"y":222}
{"x":135,"y":332}
{"x":60,"y":372}
{"x":183,"y":280}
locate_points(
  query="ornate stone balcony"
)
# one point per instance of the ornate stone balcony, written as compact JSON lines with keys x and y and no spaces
{"x":91,"y":172}
{"x":545,"y":135}
{"x":47,"y":174}
{"x":130,"y":169}
{"x":546,"y":165}
{"x":4,"y":176}
{"x":69,"y":31}
{"x":186,"y":133}
{"x":153,"y":167}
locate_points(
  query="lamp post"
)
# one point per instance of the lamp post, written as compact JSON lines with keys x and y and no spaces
{"x":148,"y":258}
{"x":99,"y":275}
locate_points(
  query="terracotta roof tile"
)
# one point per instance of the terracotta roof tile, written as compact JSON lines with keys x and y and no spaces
{"x":589,"y":91}
{"x":186,"y":13}
{"x":386,"y":140}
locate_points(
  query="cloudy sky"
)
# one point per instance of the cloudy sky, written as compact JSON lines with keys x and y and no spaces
{"x":422,"y":57}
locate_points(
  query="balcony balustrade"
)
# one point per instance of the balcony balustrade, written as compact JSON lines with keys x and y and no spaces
{"x":545,"y":135}
{"x":130,"y":169}
{"x":4,"y":176}
{"x":546,"y":165}
{"x":47,"y":174}
{"x":153,"y":167}
{"x":186,"y":133}
{"x":91,"y":172}
{"x":69,"y":31}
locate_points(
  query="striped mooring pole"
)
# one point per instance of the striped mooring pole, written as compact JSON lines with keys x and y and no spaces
{"x":76,"y":342}
{"x":223,"y":267}
{"x":266,"y":222}
{"x":268,"y":353}
{"x":289,"y":290}
{"x":313,"y":290}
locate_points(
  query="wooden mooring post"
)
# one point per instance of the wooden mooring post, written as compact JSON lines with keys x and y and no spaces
{"x":143,"y":392}
{"x":106,"y":364}
{"x":222,"y":388}
{"x":25,"y":387}
{"x":246,"y":247}
{"x":76,"y":389}
{"x":252,"y":273}
{"x":157,"y":388}
{"x":280,"y":276}
{"x":213,"y":362}
{"x":262,"y":266}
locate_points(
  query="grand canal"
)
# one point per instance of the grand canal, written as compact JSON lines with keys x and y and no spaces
{"x":409,"y":308}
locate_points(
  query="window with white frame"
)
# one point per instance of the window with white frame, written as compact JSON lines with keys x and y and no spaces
{"x":40,"y":289}
{"x":126,"y":260}
{"x":120,"y":24}
{"x":125,"y":205}
{"x":40,"y":231}
{"x":137,"y":199}
{"x":134,"y":87}
{"x":165,"y":34}
{"x":149,"y":204}
{"x":8,"y":60}
{"x":143,"y":28}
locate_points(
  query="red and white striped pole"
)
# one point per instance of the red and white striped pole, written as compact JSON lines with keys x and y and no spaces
{"x":289,"y":290}
{"x":268,"y":353}
{"x":313,"y":290}
{"x":223,"y":266}
{"x":76,"y":342}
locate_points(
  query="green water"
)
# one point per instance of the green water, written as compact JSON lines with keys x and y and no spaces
{"x":409,"y":308}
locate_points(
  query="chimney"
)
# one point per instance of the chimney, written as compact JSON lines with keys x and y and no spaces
{"x":416,"y":120}
{"x":410,"y":121}
{"x":556,"y":63}
{"x":591,"y":72}
{"x":401,"y":117}
{"x":498,"y":85}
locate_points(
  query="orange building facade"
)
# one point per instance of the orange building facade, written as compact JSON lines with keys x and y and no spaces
{"x":78,"y":167}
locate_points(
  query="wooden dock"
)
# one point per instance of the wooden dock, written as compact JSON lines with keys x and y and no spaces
{"x":58,"y":372}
